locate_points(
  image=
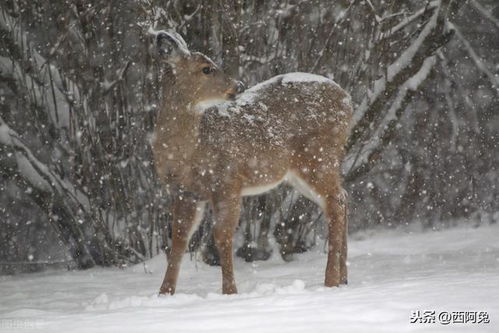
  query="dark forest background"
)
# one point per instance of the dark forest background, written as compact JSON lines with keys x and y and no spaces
{"x":79,"y":97}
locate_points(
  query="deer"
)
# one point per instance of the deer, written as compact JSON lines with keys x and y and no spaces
{"x":215,"y":142}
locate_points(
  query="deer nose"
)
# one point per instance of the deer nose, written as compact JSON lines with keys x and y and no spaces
{"x":240,"y":87}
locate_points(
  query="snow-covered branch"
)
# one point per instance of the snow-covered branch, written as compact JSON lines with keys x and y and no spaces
{"x":42,"y":83}
{"x":369,"y":113}
{"x":368,"y":155}
{"x":410,"y":19}
{"x":37,"y":173}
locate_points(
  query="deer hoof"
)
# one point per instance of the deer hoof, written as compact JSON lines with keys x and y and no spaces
{"x":166,"y":291}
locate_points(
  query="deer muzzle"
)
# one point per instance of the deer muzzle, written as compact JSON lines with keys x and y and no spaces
{"x":236,"y":89}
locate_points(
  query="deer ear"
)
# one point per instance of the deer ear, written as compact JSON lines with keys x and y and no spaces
{"x":171,"y":46}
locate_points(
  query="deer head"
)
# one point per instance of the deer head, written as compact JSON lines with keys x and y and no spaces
{"x":194,"y":72}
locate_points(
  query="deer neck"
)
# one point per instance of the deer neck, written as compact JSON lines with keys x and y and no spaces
{"x":177,"y":128}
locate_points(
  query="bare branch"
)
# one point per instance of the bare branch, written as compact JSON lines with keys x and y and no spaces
{"x":493,"y":78}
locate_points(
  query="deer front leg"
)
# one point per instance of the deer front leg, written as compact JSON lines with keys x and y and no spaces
{"x":187,"y":213}
{"x":226,"y":208}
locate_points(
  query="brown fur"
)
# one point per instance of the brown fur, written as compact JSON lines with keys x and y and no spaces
{"x":214,"y":155}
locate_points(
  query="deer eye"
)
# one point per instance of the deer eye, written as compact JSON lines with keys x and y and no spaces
{"x":207,"y":70}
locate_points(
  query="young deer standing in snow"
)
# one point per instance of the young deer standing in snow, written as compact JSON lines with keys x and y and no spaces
{"x":213,"y":145}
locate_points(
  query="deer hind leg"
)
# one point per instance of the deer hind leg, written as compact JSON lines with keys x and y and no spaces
{"x":324,"y":188}
{"x":187,"y":213}
{"x":336,"y":269}
{"x":344,"y":248}
{"x":226,"y":209}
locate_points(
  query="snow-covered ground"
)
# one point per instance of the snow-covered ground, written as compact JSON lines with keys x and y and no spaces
{"x":392,"y":273}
